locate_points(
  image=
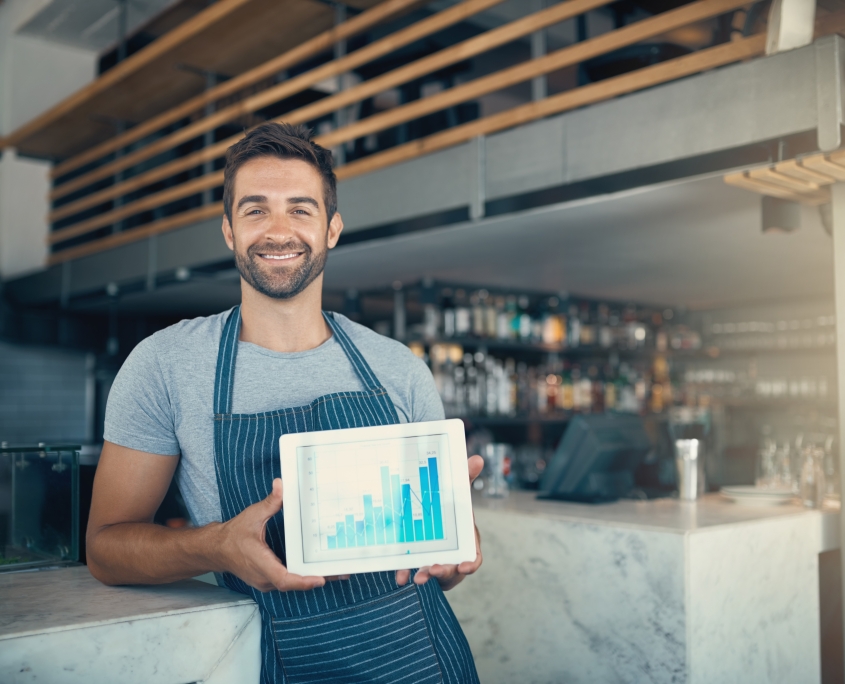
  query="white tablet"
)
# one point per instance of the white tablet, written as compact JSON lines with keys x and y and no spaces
{"x":377,"y":498}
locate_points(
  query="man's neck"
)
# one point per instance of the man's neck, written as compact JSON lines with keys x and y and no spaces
{"x":284,"y":325}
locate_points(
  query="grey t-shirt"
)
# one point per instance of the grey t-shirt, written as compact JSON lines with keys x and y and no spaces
{"x":161,"y":401}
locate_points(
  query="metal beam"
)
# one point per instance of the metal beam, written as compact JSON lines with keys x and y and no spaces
{"x":838,"y":211}
{"x":830,"y":53}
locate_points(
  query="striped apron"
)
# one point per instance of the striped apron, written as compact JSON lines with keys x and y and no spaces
{"x":366,"y":628}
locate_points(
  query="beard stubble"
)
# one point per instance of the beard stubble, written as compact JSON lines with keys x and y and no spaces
{"x":280,"y":282}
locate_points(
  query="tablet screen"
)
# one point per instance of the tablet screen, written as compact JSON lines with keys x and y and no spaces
{"x":376,"y":498}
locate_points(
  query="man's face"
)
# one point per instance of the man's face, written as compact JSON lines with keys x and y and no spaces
{"x":280,"y":232}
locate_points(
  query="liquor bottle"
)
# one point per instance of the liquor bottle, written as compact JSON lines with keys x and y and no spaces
{"x":463,"y":322}
{"x":574,"y":327}
{"x":478,"y":303}
{"x":588,"y":330}
{"x":448,"y":309}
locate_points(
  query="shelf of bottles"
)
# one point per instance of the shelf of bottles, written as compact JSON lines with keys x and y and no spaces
{"x":505,"y":357}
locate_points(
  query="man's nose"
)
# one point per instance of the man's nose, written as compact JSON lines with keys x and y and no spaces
{"x":278,"y":228}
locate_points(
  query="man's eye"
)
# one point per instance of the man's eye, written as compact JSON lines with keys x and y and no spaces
{"x":253,"y":211}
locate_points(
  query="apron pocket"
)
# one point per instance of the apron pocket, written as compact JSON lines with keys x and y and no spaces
{"x":384,"y":639}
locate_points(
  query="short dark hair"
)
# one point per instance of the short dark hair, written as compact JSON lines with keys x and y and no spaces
{"x":283,"y":141}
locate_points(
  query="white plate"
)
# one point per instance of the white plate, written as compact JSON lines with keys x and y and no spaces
{"x":757,"y":496}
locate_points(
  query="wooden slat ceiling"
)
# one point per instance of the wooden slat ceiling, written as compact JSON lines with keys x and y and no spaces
{"x":230,"y":43}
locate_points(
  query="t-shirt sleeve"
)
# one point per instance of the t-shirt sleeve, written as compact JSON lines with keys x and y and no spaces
{"x":139,"y":414}
{"x":425,"y":400}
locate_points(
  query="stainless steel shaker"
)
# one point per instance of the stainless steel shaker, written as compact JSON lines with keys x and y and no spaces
{"x":689,"y":459}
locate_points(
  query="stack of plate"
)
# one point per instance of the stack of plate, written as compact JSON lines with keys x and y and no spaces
{"x":749,"y":495}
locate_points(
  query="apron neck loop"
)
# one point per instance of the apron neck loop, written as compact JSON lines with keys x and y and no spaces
{"x":228,"y":353}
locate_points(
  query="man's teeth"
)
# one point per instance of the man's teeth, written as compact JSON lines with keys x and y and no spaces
{"x":279,"y":256}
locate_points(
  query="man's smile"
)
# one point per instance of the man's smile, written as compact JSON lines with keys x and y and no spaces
{"x":280,"y":257}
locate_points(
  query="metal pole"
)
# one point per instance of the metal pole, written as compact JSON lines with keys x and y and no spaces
{"x":123,"y":8}
{"x":838,"y":221}
{"x":208,"y":138}
{"x":340,"y":114}
{"x":539,"y":84}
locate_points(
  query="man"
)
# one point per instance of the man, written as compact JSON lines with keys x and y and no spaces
{"x":178,"y":406}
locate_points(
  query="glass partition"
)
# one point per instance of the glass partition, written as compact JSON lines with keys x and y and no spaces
{"x":39,"y":506}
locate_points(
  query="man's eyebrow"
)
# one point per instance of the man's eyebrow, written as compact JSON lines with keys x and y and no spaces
{"x":304,"y":200}
{"x":251,"y":198}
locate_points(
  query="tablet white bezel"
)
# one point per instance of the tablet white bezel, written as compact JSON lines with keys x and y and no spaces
{"x":458,"y":472}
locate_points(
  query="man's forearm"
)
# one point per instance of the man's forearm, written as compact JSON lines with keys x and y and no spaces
{"x":144,"y":553}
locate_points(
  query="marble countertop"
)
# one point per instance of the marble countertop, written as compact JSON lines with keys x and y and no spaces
{"x":70,"y":598}
{"x":661,"y":515}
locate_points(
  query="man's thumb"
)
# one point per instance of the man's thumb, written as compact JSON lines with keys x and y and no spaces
{"x":273,"y":502}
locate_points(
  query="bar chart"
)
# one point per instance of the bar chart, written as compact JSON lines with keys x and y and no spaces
{"x":380,"y":494}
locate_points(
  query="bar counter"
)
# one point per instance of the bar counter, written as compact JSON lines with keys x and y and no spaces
{"x":63,"y":627}
{"x":646,"y":591}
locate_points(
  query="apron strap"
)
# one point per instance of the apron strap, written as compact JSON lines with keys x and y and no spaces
{"x":228,"y":351}
{"x":362,"y":368}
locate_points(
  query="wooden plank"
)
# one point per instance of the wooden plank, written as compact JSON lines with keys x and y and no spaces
{"x":300,"y":53}
{"x":294,"y":85}
{"x":439,"y":60}
{"x":597,"y":92}
{"x":820,"y":163}
{"x":209,"y":153}
{"x":794,"y":169}
{"x":520,"y":73}
{"x":590,"y":94}
{"x":769,"y":175}
{"x":170,"y":41}
{"x":135,"y":234}
{"x":742,"y":180}
{"x":192,"y":187}
{"x":451,"y":55}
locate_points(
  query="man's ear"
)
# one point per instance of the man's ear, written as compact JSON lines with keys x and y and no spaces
{"x":335,"y":229}
{"x":228,"y":236}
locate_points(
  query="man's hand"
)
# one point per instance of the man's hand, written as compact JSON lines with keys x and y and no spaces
{"x":244,"y":551}
{"x":450,"y":575}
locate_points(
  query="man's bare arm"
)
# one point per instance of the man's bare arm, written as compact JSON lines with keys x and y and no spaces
{"x":125,"y":547}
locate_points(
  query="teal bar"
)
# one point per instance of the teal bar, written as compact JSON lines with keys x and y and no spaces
{"x":369,"y":521}
{"x":360,"y":538}
{"x":435,"y":498}
{"x":428,"y":523}
{"x":387,"y":503}
{"x":379,"y":516}
{"x":341,"y":535}
{"x":418,"y":530}
{"x":332,"y":542}
{"x":397,"y":509}
{"x":350,"y":531}
{"x":407,"y":520}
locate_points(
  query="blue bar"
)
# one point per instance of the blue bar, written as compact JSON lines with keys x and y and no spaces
{"x":428,"y":523}
{"x":387,"y":502}
{"x":397,"y":509}
{"x":407,"y":520}
{"x":350,"y":531}
{"x":359,"y":533}
{"x":418,"y":530}
{"x":369,"y":521}
{"x":341,"y":536}
{"x":379,"y":515}
{"x":435,"y":498}
{"x":332,"y":541}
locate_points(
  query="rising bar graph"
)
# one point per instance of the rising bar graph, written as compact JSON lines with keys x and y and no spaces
{"x":375,"y":497}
